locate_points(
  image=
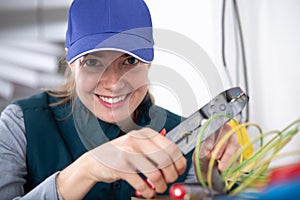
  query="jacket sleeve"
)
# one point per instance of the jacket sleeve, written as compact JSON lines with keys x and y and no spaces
{"x":13,"y":159}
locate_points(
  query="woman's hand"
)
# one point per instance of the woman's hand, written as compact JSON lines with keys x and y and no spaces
{"x":144,"y":151}
{"x":223,"y":155}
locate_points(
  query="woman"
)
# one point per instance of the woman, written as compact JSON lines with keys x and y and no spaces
{"x":97,"y":137}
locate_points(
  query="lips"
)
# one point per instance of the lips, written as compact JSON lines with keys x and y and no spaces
{"x":112,"y":100}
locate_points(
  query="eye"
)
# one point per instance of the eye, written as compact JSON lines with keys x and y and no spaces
{"x":92,"y":63}
{"x":131,"y":61}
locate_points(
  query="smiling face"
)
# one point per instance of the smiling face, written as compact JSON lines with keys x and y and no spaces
{"x":110,"y":84}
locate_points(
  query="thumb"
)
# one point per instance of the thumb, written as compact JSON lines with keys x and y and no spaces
{"x":204,"y":161}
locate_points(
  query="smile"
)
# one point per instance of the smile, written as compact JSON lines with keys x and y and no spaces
{"x":113,"y":100}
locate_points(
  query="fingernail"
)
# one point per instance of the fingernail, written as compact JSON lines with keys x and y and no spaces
{"x":222,"y":166}
{"x":163,"y":132}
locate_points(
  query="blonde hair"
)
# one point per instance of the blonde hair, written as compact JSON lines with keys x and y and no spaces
{"x":67,"y":91}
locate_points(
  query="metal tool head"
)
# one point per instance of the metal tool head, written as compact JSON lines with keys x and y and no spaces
{"x":228,"y":103}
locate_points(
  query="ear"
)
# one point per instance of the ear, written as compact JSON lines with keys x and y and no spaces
{"x":71,"y":66}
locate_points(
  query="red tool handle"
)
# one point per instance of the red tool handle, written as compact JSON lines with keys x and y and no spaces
{"x":137,"y":193}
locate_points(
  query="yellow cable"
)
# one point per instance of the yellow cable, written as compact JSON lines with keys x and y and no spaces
{"x":253,"y":166}
{"x":243,"y":139}
{"x":227,"y":171}
{"x":198,"y":145}
{"x":258,"y":155}
{"x":277,"y":145}
{"x":218,"y":148}
{"x":236,"y":173}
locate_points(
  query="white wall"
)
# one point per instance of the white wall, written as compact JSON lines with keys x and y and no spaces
{"x":273,"y":48}
{"x":193,"y":19}
{"x":271,"y":33}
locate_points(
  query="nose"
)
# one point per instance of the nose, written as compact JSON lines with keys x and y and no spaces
{"x":111,"y":78}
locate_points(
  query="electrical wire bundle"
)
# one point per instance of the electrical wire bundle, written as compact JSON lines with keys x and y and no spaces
{"x":250,"y":172}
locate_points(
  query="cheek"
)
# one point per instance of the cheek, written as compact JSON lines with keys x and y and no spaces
{"x":137,"y":97}
{"x":137,"y":78}
{"x":86,"y":83}
{"x":140,"y":93}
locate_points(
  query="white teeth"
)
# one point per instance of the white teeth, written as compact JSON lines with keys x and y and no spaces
{"x":112,"y":100}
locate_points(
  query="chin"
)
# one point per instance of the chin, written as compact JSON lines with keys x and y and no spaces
{"x":112,"y":118}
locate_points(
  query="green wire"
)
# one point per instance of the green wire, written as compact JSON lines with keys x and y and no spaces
{"x":255,"y":163}
{"x":198,"y":145}
{"x":284,"y":137}
{"x":262,"y":152}
{"x":237,"y":167}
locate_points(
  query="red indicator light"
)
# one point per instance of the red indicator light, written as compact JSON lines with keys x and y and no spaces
{"x":177,"y":191}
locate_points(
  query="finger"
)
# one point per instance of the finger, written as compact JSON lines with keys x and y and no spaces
{"x":232,"y":147}
{"x":206,"y":147}
{"x":158,"y":180}
{"x":159,"y":177}
{"x":142,"y":163}
{"x":221,"y":133}
{"x":219,"y":152}
{"x":170,"y":173}
{"x":163,"y":152}
{"x":139,"y":184}
{"x":163,"y":162}
{"x":203,"y":165}
{"x":180,"y":165}
{"x":170,"y":160}
{"x":110,"y":156}
{"x":161,"y":142}
{"x":209,"y":143}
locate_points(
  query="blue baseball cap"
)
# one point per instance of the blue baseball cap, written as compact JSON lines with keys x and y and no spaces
{"x":120,"y":25}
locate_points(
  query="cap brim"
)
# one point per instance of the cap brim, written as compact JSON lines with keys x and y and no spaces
{"x":131,"y":44}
